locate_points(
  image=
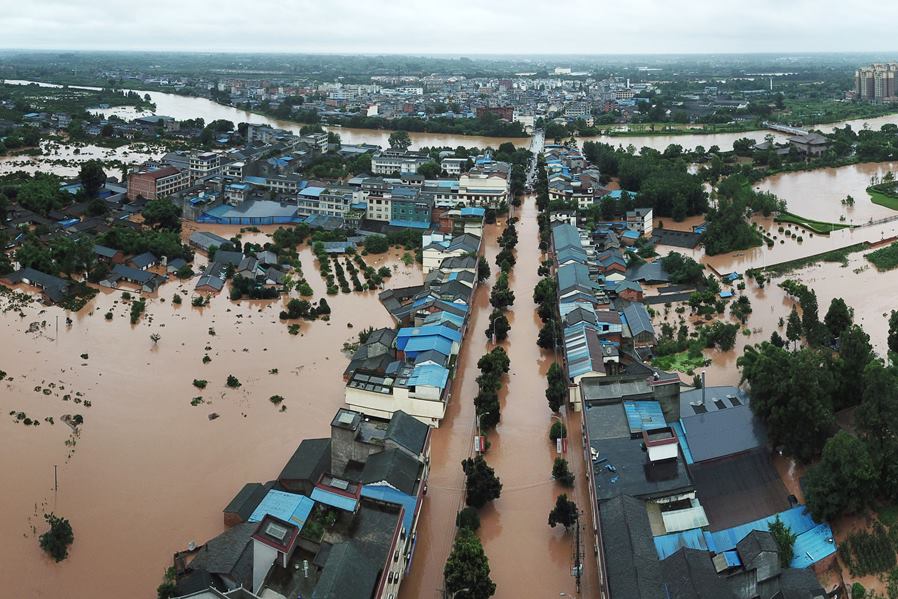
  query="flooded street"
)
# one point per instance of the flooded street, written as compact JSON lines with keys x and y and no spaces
{"x":818,"y":194}
{"x":148,"y":467}
{"x":527,"y":557}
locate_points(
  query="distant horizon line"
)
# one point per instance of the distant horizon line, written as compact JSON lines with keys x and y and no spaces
{"x":352,"y":53}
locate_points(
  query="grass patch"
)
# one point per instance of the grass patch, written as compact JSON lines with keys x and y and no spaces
{"x":884,"y":258}
{"x":877,"y":197}
{"x":817,"y":226}
{"x":682,"y":362}
{"x":840,"y":255}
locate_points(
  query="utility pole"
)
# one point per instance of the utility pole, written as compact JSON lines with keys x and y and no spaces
{"x":55,"y":480}
{"x":577,"y":569}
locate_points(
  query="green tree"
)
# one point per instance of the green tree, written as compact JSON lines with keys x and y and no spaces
{"x":376,"y":244}
{"x":468,"y":518}
{"x":549,"y":334}
{"x":163,"y":214}
{"x":564,"y":512}
{"x":56,"y":541}
{"x":481,"y":483}
{"x":92,"y":177}
{"x":855,"y":352}
{"x":399,"y":140}
{"x":838,"y":317}
{"x":429,"y":170}
{"x":501,"y":296}
{"x":793,"y":326}
{"x":876,"y":419}
{"x":785,"y":540}
{"x":562,"y":472}
{"x":483,"y":269}
{"x":792,"y":394}
{"x":557,"y":389}
{"x":810,"y":321}
{"x":467,"y":570}
{"x":499,"y":326}
{"x":893,"y":332}
{"x":843,"y":482}
{"x":544,"y":290}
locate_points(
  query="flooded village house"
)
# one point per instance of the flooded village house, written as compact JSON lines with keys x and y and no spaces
{"x":339,"y":521}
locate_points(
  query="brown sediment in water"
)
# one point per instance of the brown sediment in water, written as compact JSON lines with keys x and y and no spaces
{"x":818,"y":194}
{"x":527,"y":557}
{"x":150,"y":472}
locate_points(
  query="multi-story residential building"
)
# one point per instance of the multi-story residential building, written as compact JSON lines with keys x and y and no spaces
{"x":203,"y":165}
{"x":156,"y":182}
{"x":331,"y":201}
{"x":410,"y":208}
{"x":484,"y":185}
{"x":506,"y":113}
{"x":315,"y":140}
{"x":390,"y":162}
{"x":453,"y":166}
{"x":877,"y":83}
{"x":640,"y":220}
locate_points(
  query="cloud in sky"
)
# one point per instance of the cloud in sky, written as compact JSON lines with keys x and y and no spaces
{"x":456,"y":27}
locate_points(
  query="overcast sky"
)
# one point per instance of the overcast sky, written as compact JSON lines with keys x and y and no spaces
{"x":453,"y":26}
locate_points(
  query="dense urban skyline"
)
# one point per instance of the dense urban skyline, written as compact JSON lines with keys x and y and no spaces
{"x":404,"y":26}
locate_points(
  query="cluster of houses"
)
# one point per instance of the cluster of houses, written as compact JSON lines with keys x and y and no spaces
{"x":264,"y":183}
{"x":338,"y":522}
{"x":409,"y":368}
{"x":683,"y":491}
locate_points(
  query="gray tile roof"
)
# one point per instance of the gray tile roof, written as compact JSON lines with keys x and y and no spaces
{"x":690,"y":574}
{"x":229,"y":554}
{"x":346,"y":574}
{"x":307,"y":459}
{"x":631,"y":561}
{"x":408,"y":432}
{"x":393,"y":466}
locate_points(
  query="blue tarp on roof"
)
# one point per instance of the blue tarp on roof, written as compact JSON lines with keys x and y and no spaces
{"x":726,"y":294}
{"x":69,"y":222}
{"x":644,"y":415}
{"x":289,"y":507}
{"x":429,"y":375}
{"x":336,"y":500}
{"x":811,"y":545}
{"x":391,"y":495}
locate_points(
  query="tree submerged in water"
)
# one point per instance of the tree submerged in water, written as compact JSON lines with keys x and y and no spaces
{"x":56,"y":541}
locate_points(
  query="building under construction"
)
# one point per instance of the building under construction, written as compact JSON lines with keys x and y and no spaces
{"x":877,"y":82}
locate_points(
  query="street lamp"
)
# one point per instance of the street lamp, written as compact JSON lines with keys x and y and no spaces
{"x":562,"y":437}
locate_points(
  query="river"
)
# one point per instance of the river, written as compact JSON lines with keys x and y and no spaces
{"x":188,"y":107}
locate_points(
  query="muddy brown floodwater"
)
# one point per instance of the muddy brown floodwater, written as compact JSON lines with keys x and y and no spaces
{"x":150,"y":472}
{"x":818,"y":194}
{"x":527,"y":557}
{"x":868,"y":292}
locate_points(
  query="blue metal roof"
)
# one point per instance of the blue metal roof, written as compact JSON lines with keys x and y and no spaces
{"x":732,"y":558}
{"x":681,"y":437}
{"x":811,"y":545}
{"x":473,"y":211}
{"x":391,"y":495}
{"x":443,"y":316}
{"x":429,"y":375}
{"x":440,"y":330}
{"x":312,"y":192}
{"x":336,"y":500}
{"x":644,"y":415}
{"x":289,"y":507}
{"x":255,"y":180}
{"x":419,"y":344}
{"x":409,"y":224}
